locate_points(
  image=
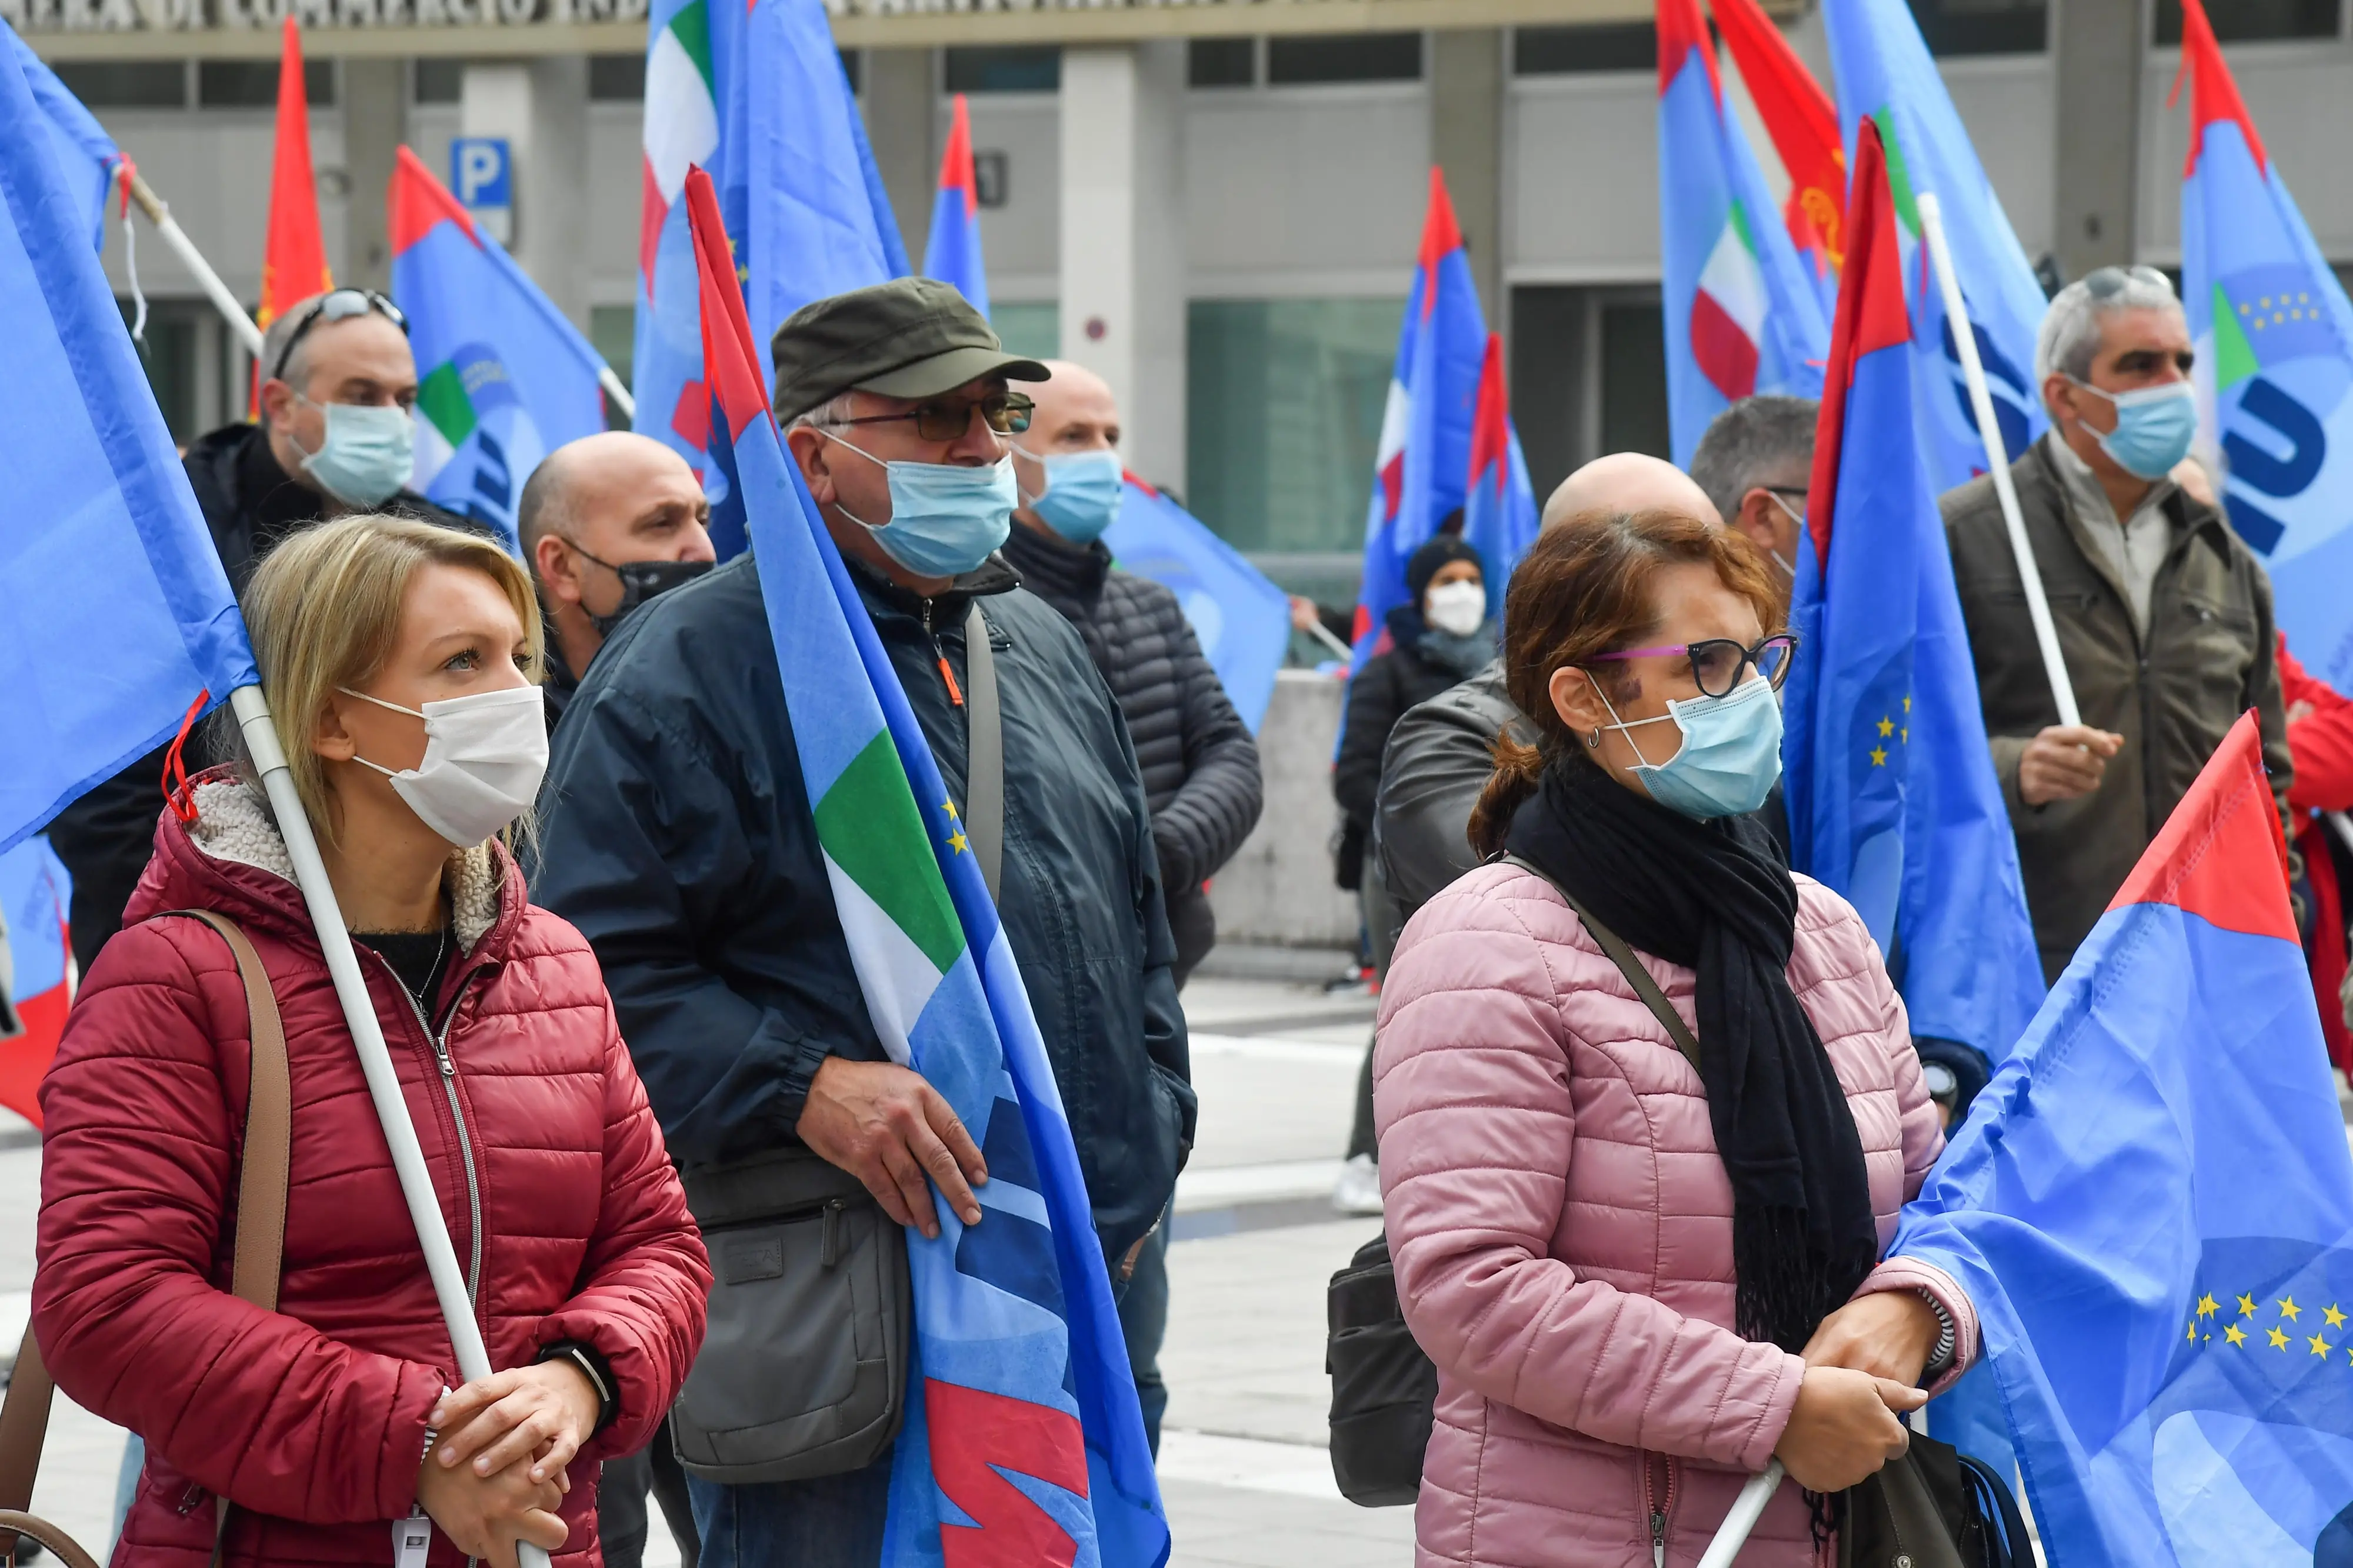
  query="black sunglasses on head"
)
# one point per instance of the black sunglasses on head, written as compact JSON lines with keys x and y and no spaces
{"x":338,"y":305}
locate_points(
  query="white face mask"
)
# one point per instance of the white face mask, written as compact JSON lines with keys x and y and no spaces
{"x":485,"y":755}
{"x":1794,"y":515}
{"x":1457,"y":608}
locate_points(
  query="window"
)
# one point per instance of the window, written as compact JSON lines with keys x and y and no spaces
{"x":1344,"y":56}
{"x":616,"y":78}
{"x":1284,"y":407}
{"x":1983,"y":27}
{"x":2247,"y":21}
{"x":613,"y":334}
{"x":437,"y":80}
{"x":1589,"y":375}
{"x":1019,"y":69}
{"x":253,"y":84}
{"x":169,"y":358}
{"x":854,"y":65}
{"x":1031,"y":328}
{"x":1221,"y":62}
{"x":1576,"y":51}
{"x":130,"y":84}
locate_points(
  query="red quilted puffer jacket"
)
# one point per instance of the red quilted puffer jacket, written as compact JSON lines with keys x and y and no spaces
{"x":550,"y":1168}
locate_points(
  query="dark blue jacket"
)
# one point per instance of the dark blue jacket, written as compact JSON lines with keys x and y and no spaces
{"x":675,"y":833}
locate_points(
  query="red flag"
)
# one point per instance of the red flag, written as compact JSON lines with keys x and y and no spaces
{"x":294,"y":256}
{"x":1802,"y":121}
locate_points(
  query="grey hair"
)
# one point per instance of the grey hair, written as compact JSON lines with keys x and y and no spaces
{"x":834,"y":410}
{"x":1750,"y":442}
{"x":2071,"y":327}
{"x":283,"y":326}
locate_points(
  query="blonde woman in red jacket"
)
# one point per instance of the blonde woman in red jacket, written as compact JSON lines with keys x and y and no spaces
{"x":398,"y":659}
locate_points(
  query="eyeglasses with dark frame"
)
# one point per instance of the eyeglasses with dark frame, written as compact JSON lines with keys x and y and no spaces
{"x":1718,"y":664}
{"x":1006,"y":413}
{"x":338,"y":305}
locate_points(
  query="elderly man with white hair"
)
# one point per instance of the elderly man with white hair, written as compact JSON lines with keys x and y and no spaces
{"x":2164,"y":616}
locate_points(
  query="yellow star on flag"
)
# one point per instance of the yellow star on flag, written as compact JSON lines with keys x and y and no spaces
{"x":2192,"y":1334}
{"x":2320,"y":1347}
{"x":2336,"y":1319}
{"x":958,"y":842}
{"x":1878,"y":756}
{"x":2246,"y":1305}
{"x":2208,"y":1306}
{"x":2279,"y":1339}
{"x":2288,"y":1309}
{"x":2235,"y":1334}
{"x":1908,"y":705}
{"x":949,"y":806}
{"x":1886,"y":726}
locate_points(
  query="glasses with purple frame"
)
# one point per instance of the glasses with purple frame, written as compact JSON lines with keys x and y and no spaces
{"x":1718,"y":663}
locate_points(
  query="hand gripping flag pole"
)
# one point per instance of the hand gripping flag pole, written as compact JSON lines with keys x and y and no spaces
{"x":2038,"y":606}
{"x":367,"y":1039}
{"x":1746,"y":1509}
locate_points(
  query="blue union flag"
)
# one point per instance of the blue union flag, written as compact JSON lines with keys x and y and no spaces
{"x":2274,"y":337}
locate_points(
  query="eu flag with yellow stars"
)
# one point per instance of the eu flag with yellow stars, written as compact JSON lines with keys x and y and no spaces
{"x":2151,"y":1209}
{"x":1891,"y":791}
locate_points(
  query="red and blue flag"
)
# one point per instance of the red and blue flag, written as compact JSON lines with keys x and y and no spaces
{"x":754,"y":94}
{"x":1886,"y":75}
{"x":1891,"y":793}
{"x":1499,"y":510}
{"x":36,"y":894}
{"x":1744,"y":314}
{"x":1023,"y":1441}
{"x":952,"y":253}
{"x":86,"y":156}
{"x":504,"y":378}
{"x":2151,"y":1209}
{"x":1422,"y":468}
{"x":2274,"y":336}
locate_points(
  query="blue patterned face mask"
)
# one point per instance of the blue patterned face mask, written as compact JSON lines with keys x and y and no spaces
{"x":1082,"y":493}
{"x":945,"y":520}
{"x":1731,"y":754}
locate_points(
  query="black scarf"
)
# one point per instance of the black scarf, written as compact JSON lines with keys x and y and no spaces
{"x":1716,"y":897}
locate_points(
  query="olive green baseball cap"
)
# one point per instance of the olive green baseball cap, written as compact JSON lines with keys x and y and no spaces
{"x":911,"y":337}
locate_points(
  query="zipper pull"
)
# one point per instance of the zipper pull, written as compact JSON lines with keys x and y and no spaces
{"x":956,"y":694}
{"x":1659,"y":1538}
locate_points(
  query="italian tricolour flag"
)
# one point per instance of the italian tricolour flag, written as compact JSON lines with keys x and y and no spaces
{"x":1728,"y":318}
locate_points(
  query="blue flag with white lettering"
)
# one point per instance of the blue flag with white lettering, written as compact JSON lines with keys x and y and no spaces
{"x":2274,"y":337}
{"x":117,"y":614}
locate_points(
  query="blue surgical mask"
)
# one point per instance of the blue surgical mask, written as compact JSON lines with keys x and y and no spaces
{"x":2154,"y":427}
{"x":1731,"y":754}
{"x":368,"y":453}
{"x":1083,"y":494}
{"x":944,"y":520}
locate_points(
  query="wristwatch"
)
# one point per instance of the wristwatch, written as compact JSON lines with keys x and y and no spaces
{"x":600,"y":1375}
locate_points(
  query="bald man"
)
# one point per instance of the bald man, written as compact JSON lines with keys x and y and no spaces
{"x":607,"y":522}
{"x":1440,"y":753}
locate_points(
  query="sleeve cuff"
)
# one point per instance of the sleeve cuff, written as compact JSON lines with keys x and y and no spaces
{"x":1943,"y":1292}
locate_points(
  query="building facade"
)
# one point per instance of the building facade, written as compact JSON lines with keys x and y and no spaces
{"x":1215,"y":203}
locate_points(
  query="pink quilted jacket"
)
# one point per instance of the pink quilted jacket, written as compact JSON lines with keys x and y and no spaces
{"x":1562,"y":1229}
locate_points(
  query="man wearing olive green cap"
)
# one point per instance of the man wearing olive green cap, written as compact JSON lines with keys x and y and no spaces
{"x":677,"y":835}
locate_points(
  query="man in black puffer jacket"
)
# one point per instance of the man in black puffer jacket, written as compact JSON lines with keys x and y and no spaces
{"x":333,"y":437}
{"x":1199,"y":764}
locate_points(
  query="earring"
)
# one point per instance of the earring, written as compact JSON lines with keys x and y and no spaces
{"x":1593,"y":741}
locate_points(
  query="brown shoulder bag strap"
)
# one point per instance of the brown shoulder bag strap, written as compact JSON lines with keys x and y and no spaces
{"x":253,"y":1275}
{"x":1628,"y":965}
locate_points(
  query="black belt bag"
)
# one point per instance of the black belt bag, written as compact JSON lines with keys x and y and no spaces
{"x":803,"y":1370}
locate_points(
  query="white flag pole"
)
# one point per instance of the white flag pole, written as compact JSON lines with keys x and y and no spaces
{"x":1956,"y":314}
{"x":1746,"y":1508}
{"x":160,"y":214}
{"x":616,"y":392}
{"x":367,"y":1037}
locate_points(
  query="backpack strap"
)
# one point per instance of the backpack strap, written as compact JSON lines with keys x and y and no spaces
{"x":1628,"y":965}
{"x":260,"y":1231}
{"x":984,"y":789}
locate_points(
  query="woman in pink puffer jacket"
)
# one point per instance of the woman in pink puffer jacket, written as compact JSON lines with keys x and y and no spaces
{"x":1640,"y":1281}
